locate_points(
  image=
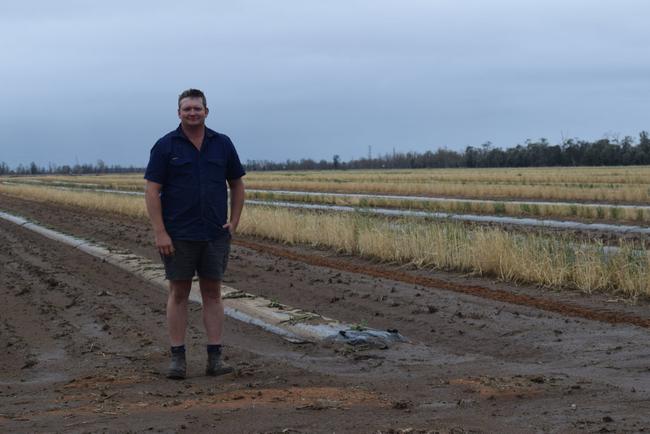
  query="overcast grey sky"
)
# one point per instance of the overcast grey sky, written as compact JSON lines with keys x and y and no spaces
{"x":88,"y":80}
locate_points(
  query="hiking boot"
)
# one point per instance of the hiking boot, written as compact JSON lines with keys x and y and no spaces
{"x":177,"y":366}
{"x":215,"y":367}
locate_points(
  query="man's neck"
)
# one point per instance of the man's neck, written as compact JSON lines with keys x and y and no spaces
{"x":194,"y":134}
{"x":191,"y":131}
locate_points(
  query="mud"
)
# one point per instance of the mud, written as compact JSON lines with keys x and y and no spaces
{"x":478,"y":291}
{"x":84,"y":346}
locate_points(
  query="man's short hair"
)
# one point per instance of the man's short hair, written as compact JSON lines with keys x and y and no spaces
{"x":192,"y":93}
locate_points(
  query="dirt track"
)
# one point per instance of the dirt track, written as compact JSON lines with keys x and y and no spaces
{"x":85,"y":345}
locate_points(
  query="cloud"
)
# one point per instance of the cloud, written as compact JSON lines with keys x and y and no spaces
{"x":297,"y":79}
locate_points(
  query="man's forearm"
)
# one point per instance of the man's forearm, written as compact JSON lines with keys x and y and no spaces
{"x":237,"y":194}
{"x":154,"y":209}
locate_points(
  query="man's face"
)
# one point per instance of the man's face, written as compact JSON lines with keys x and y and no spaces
{"x":191,"y":112}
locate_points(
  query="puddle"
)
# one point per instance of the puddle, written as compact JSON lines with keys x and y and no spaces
{"x":45,"y":376}
{"x":50,"y":356}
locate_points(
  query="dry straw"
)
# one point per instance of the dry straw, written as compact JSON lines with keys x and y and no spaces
{"x":553,"y":262}
{"x":610,"y":184}
{"x":576,"y":211}
{"x":566,"y":211}
{"x":549,"y":260}
{"x":122,"y":204}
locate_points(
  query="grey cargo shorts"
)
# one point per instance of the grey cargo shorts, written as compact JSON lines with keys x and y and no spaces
{"x":208,"y":259}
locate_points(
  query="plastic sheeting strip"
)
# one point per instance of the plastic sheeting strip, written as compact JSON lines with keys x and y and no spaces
{"x":294,"y":325}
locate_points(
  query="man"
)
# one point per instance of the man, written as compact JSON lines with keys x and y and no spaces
{"x":186,"y":199}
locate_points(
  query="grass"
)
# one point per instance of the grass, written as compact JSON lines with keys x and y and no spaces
{"x":553,"y":261}
{"x":612,"y":184}
{"x":572,"y":211}
{"x":129,"y":182}
{"x":126,"y":205}
{"x":360,"y":326}
{"x":559,"y":210}
{"x":582,"y":177}
{"x":604,"y":184}
{"x":625,"y":194}
{"x":550,"y":261}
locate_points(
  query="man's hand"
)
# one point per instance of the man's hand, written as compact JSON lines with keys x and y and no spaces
{"x":231,"y":226}
{"x":164,"y":243}
{"x":152,"y":199}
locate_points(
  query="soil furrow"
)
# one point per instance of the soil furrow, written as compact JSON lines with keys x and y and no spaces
{"x":476,"y":363}
{"x":478,"y":291}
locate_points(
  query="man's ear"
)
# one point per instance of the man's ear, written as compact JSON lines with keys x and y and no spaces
{"x":207,"y":110}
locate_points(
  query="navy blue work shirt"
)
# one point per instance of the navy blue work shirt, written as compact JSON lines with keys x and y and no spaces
{"x":194,"y":194}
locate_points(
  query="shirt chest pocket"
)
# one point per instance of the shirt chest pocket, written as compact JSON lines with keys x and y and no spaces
{"x":216,"y":169}
{"x":180,"y":169}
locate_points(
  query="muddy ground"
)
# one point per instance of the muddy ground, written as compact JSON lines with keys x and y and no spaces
{"x":83,"y":346}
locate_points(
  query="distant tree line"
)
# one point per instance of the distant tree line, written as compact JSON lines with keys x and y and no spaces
{"x":609,"y":151}
{"x":78,"y":169}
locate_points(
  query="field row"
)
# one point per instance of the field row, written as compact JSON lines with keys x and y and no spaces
{"x":571,"y":211}
{"x":611,"y":185}
{"x":574,"y":211}
{"x":555,"y":261}
{"x":557,"y":175}
{"x":295,"y":200}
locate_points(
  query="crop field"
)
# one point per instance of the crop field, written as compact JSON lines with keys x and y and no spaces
{"x":582,"y":194}
{"x":510,"y":328}
{"x":607,"y":184}
{"x":550,"y":259}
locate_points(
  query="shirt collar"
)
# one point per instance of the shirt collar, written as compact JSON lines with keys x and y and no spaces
{"x":179,"y":132}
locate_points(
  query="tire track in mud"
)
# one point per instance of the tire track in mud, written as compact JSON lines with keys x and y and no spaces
{"x":561,"y":308}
